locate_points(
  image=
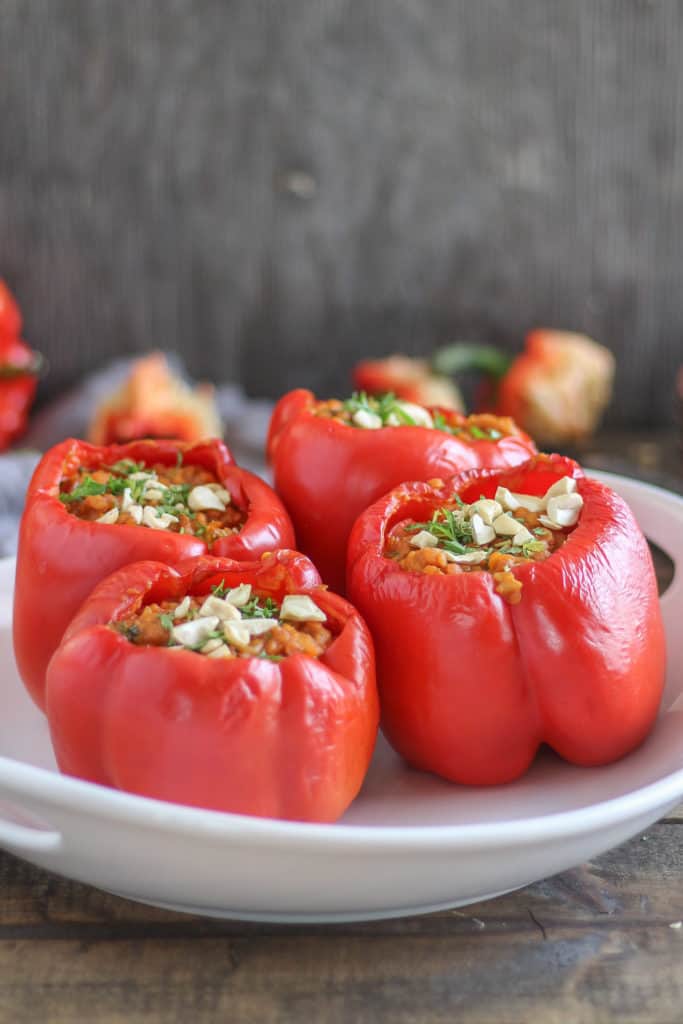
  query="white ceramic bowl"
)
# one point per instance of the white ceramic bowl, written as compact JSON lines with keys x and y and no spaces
{"x":410,"y":842}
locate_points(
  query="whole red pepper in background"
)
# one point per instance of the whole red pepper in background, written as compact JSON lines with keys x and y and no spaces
{"x":558,"y":387}
{"x":327,"y":472}
{"x":291,"y":739}
{"x":471,"y":685}
{"x":409,"y":378}
{"x":62,"y":557}
{"x":155,"y":402}
{"x":19,"y":367}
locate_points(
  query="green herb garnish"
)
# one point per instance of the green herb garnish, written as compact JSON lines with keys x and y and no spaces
{"x":451,"y":529}
{"x":85,"y":489}
{"x":166,"y":621}
{"x":258,"y":609}
{"x":124,"y":467}
{"x":130,"y":632}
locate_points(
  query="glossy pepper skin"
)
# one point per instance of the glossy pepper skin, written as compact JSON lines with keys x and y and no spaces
{"x":327,"y":472}
{"x":470,"y":685}
{"x":61,"y":557}
{"x":18,"y":371}
{"x":290,"y":739}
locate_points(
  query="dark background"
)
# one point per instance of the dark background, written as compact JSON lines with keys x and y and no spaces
{"x":276,"y":189}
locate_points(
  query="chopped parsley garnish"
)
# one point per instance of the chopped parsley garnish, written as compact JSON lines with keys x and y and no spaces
{"x":85,"y":489}
{"x":130,"y":632}
{"x":166,"y":621}
{"x":124,"y":467}
{"x":260,"y":609}
{"x":379,"y":405}
{"x":450,"y":528}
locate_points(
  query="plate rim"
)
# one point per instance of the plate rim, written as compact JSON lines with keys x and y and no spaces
{"x":46,"y":787}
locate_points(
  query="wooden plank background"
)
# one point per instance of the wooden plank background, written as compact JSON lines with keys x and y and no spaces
{"x":274,"y":190}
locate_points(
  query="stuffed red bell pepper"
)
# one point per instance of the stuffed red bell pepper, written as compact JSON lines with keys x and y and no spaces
{"x":243,"y":687}
{"x":509,"y":609}
{"x":332,"y":459}
{"x":90,"y":510}
{"x":19,"y":369}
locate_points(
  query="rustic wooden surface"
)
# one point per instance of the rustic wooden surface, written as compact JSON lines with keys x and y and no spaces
{"x":597,"y":944}
{"x":275,"y":189}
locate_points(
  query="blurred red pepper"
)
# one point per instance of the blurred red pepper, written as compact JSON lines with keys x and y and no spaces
{"x":291,"y":739}
{"x":19,"y":369}
{"x":556,"y":389}
{"x":327,"y":472}
{"x":409,"y":378}
{"x":154,"y":403}
{"x":62,"y":557}
{"x":470,"y":684}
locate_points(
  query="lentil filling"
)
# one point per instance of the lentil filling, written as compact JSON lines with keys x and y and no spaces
{"x":490,"y":535}
{"x":182,"y":499}
{"x":369,"y":412}
{"x":232,"y":624}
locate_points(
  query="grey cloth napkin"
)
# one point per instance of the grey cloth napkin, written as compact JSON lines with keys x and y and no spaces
{"x":245,"y":423}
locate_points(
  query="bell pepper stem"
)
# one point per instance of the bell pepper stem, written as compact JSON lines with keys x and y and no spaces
{"x":463,"y":356}
{"x":34,"y":368}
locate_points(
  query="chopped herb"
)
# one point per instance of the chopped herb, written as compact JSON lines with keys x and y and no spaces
{"x":130,"y":632}
{"x":85,"y":489}
{"x":220,"y":590}
{"x":178,"y":459}
{"x":167,"y":622}
{"x":271,"y":657}
{"x":126,"y":466}
{"x":257,"y":609}
{"x":175,"y":494}
{"x":478,"y":433}
{"x":383,"y":406}
{"x":116,"y":485}
{"x":450,"y":529}
{"x":532,"y":547}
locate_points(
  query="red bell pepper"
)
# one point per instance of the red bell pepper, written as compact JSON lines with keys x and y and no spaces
{"x":62,"y":557}
{"x":291,"y":739}
{"x":154,"y":402}
{"x":470,"y":684}
{"x":558,"y":387}
{"x":19,"y":368}
{"x":327,"y":472}
{"x":409,"y":378}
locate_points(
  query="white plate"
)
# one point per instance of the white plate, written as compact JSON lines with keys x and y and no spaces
{"x":410,"y":843}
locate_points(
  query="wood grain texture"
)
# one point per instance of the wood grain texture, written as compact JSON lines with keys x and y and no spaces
{"x":274,"y":191}
{"x":588,"y":946}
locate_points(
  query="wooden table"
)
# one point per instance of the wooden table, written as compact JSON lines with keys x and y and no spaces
{"x":603,"y":942}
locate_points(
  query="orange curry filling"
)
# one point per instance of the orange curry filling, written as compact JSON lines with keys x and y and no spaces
{"x":185,"y":499}
{"x":254,"y":629}
{"x":371,"y":412}
{"x":457,"y":539}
